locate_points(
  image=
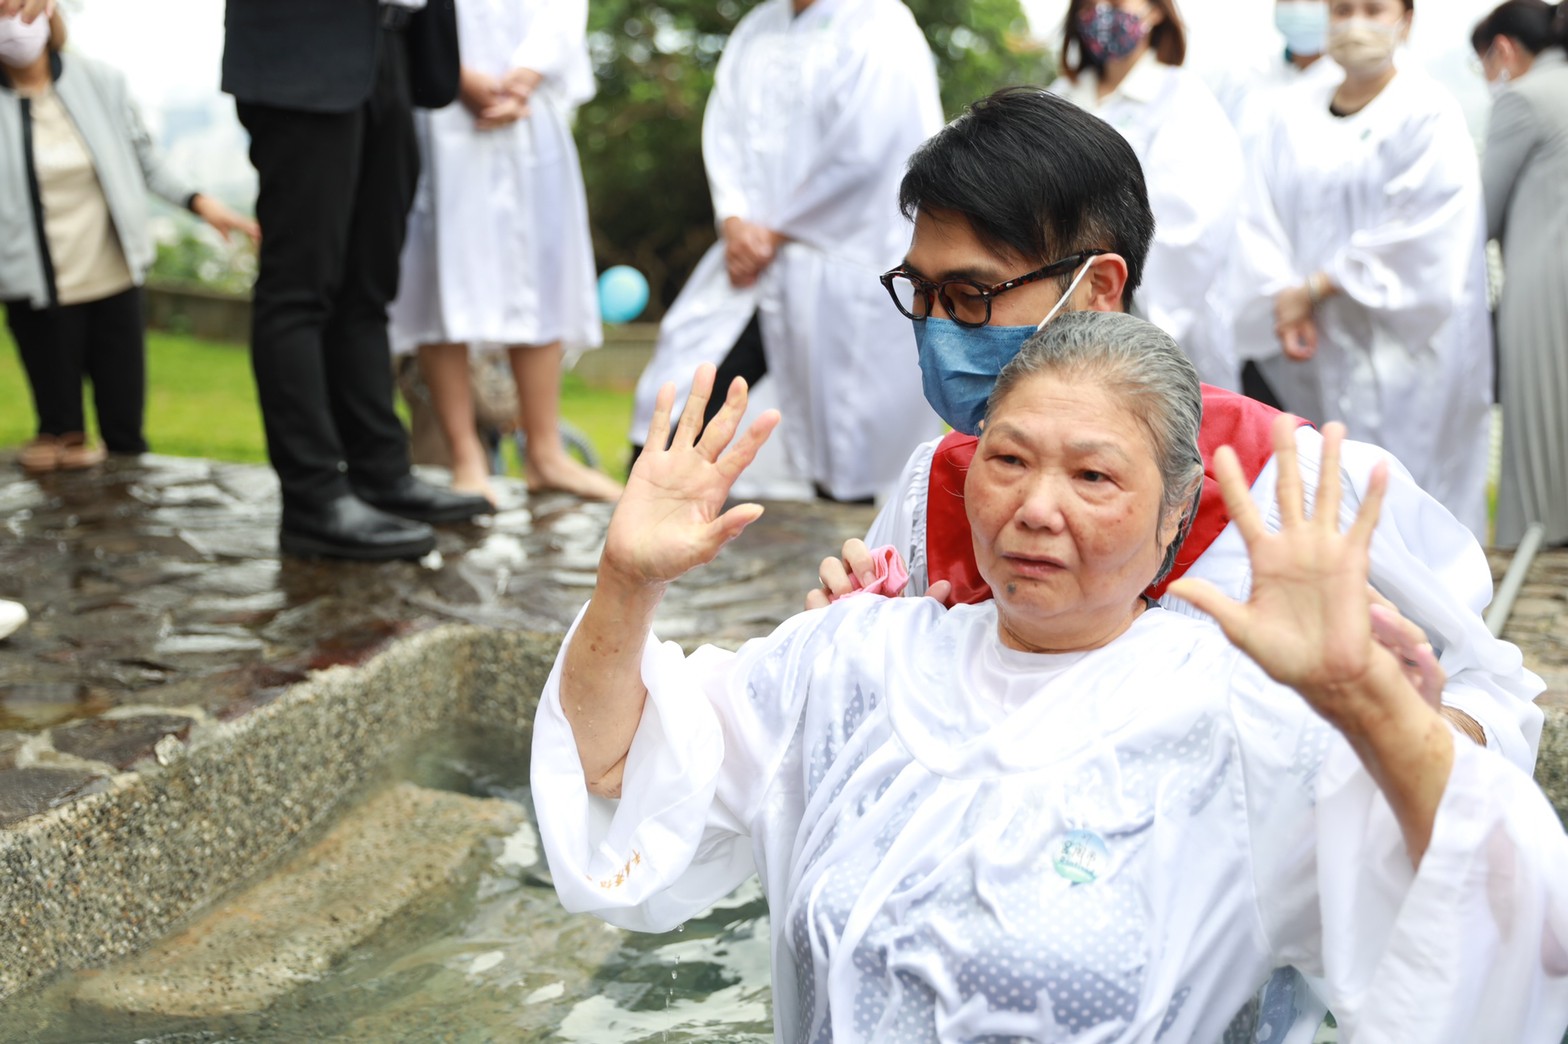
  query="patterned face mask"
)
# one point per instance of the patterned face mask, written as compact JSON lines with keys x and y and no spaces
{"x":1109,"y":33}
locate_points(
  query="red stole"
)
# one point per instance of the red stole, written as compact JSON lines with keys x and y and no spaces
{"x":1229,"y":419}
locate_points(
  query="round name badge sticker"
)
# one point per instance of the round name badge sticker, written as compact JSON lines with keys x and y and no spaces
{"x":1081,"y":856}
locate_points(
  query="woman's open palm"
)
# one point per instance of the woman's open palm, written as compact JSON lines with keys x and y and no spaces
{"x":1308,"y":620}
{"x":671,"y":517}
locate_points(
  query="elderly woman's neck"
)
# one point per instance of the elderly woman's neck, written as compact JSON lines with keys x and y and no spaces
{"x":1077,"y":635}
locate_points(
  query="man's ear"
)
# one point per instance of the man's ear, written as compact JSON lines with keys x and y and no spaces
{"x":1104,"y":284}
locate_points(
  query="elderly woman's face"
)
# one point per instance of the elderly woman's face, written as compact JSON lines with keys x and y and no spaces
{"x":1064,"y":500}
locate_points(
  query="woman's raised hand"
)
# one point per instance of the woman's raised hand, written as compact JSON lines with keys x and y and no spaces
{"x":1308,"y":622}
{"x":671,"y":517}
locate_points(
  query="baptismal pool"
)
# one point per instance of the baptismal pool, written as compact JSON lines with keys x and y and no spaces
{"x":499,"y":962}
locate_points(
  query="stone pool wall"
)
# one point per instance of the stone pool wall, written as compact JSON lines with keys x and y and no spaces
{"x":115,"y":870}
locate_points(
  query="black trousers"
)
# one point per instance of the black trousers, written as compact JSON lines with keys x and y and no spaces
{"x":335,"y":190}
{"x":1254,"y":386}
{"x":99,"y":340}
{"x":745,"y":359}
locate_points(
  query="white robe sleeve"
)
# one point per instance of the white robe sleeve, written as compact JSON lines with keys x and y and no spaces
{"x":1429,"y":565}
{"x":555,"y":47}
{"x":1194,"y":166}
{"x":902,"y":521}
{"x":724,"y":135}
{"x":1470,"y":947}
{"x":713,"y":733}
{"x":1411,"y":266}
{"x":1263,"y":262}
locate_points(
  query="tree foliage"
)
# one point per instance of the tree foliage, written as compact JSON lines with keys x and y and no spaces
{"x":640,"y":137}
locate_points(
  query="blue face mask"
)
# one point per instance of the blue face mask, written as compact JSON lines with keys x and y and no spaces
{"x":959,"y":364}
{"x":1304,"y":24}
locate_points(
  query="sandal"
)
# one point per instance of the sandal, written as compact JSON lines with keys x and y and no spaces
{"x":40,"y":455}
{"x":78,"y":452}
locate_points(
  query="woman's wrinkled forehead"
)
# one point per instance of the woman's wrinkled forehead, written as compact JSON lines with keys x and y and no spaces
{"x":1026,"y":406}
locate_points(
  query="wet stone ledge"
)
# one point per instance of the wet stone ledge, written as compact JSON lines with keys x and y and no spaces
{"x":159,"y":603}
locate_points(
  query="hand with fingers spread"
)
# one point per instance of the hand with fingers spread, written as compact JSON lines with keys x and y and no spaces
{"x":669,"y":520}
{"x":671,"y":517}
{"x":1309,"y":623}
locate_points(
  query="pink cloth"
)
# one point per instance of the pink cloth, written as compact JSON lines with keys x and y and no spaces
{"x":891,"y":575}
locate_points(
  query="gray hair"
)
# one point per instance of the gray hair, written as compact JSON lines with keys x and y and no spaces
{"x":1142,"y":367}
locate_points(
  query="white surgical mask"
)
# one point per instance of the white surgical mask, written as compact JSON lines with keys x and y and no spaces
{"x":1304,"y":24}
{"x":1363,"y":46}
{"x":21,"y":43}
{"x":1501,"y":84}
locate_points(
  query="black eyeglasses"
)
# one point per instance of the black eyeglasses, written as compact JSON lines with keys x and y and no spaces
{"x":966,"y":302}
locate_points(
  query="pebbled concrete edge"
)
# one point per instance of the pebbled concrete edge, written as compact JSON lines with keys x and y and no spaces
{"x":1551,"y":763}
{"x":110,"y":873}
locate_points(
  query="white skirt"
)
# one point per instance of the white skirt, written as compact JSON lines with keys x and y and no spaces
{"x":498,"y":248}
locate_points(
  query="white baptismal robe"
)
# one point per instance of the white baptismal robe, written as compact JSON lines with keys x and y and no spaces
{"x":499,"y":249}
{"x":1249,"y":96}
{"x":1192,"y":163}
{"x":1388,"y":203}
{"x":807,"y":132}
{"x":1423,"y":560}
{"x":906,"y":787}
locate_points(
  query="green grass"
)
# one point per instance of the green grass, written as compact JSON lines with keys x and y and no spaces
{"x":201,"y":402}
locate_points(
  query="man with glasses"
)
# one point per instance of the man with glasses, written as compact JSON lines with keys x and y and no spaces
{"x":1027,"y":206}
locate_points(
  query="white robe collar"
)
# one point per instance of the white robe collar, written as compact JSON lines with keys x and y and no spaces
{"x":1085,"y":698}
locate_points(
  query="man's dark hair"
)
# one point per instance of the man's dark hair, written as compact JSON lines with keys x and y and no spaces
{"x":1036,"y":175}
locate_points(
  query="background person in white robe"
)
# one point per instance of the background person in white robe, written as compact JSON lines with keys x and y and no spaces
{"x":1248,"y":89}
{"x":815,"y":107}
{"x":1524,"y":172}
{"x":1062,"y":815}
{"x":1361,"y":249}
{"x":498,"y":248}
{"x":1251,"y":92}
{"x":1122,"y":61}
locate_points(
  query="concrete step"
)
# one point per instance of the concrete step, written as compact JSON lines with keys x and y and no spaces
{"x":405,"y":848}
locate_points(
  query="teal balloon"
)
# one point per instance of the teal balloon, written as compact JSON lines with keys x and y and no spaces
{"x":623,"y":294}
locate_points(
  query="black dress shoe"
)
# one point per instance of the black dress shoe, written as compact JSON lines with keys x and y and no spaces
{"x":408,"y":497}
{"x":347,"y":527}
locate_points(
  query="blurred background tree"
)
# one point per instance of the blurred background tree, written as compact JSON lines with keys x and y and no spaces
{"x":196,"y":256}
{"x":640,"y":138}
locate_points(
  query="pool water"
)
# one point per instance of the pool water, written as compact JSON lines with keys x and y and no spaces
{"x":500,"y":962}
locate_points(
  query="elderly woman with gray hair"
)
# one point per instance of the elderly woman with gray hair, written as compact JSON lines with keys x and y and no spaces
{"x":1064,"y":814}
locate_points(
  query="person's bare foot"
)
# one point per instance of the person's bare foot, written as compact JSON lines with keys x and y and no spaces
{"x":566,"y":475}
{"x":465,"y":481}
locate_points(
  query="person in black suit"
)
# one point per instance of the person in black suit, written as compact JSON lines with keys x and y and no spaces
{"x":326,"y":92}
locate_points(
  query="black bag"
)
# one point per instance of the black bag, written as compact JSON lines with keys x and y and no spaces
{"x":432,"y":55}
